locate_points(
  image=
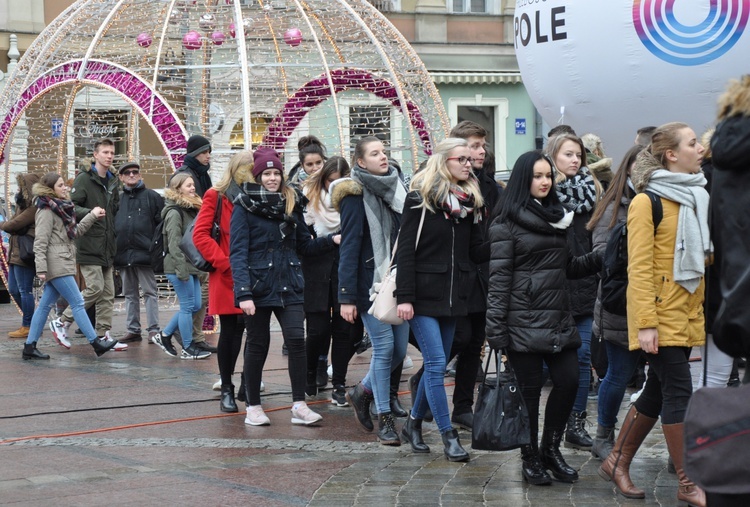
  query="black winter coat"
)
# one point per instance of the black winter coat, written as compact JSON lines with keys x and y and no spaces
{"x":528,"y":305}
{"x":438,"y":277}
{"x":582,"y":291}
{"x":265,"y":267}
{"x":138,"y":216}
{"x":97,"y":247}
{"x":321,"y":274}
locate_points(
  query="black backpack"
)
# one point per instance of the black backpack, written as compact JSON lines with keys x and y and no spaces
{"x":158,"y":251}
{"x":614,"y":282}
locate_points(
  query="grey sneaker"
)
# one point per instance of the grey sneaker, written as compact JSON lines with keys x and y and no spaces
{"x":193,"y":352}
{"x":165,"y":342}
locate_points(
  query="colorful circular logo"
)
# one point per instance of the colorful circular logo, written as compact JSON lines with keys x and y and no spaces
{"x":681,"y":44}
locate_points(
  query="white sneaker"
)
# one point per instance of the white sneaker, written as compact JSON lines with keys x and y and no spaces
{"x":330,"y":372}
{"x":408,"y":363}
{"x":119,"y":347}
{"x":60,"y":332}
{"x":302,"y":414}
{"x":217,"y":386}
{"x":256,"y":416}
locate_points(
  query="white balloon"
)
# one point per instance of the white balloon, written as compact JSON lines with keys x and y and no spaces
{"x":611,"y":67}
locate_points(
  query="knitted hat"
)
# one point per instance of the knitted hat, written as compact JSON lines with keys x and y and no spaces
{"x":197,"y":145}
{"x":266,"y":158}
{"x":128,"y":165}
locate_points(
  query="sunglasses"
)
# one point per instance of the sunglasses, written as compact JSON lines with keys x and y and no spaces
{"x":462,"y":160}
{"x":134,"y":172}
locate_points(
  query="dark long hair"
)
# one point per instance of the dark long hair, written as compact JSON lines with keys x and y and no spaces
{"x":517,"y":193}
{"x":616,"y":190}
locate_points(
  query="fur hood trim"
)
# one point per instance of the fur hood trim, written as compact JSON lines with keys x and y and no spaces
{"x":644,"y":167}
{"x":736,"y":100}
{"x":26,"y":182}
{"x":41,"y":190}
{"x":602,"y":169}
{"x":342,"y":188}
{"x":183,"y":201}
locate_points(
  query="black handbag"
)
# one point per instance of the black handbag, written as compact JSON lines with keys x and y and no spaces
{"x":501,"y":421}
{"x":26,"y":249}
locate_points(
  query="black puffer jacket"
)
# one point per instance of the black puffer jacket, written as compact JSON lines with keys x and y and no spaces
{"x":528,"y":305}
{"x":582,"y":291}
{"x":138,"y":216}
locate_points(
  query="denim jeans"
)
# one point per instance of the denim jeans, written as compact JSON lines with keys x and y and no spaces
{"x":21,"y":288}
{"x":388,"y":350}
{"x":622,"y":365}
{"x":435,"y":337}
{"x":66,"y":287}
{"x":584,"y":363}
{"x":189,"y":295}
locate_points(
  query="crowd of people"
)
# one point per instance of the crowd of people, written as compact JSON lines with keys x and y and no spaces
{"x":514,"y":265}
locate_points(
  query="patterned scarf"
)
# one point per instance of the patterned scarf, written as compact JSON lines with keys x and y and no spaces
{"x":459,"y":204}
{"x":578,"y":194}
{"x":66,"y":210}
{"x":259,"y":201}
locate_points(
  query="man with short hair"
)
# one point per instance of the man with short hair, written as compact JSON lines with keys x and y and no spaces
{"x":95,"y":187}
{"x":136,"y":220}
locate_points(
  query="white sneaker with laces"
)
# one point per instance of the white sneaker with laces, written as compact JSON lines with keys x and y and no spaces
{"x":302,"y":414}
{"x":60,"y":332}
{"x":119,"y":347}
{"x":256,"y":416}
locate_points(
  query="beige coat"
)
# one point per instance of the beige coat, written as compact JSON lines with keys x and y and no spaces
{"x":55,"y":252}
{"x":23,"y":219}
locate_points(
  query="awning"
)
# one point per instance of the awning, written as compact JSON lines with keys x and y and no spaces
{"x":476,"y":77}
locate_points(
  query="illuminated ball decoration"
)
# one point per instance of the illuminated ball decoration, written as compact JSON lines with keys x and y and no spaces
{"x":207,"y":22}
{"x":144,"y":39}
{"x":192,"y":40}
{"x":232,"y":29}
{"x":293,"y":37}
{"x":218,"y":38}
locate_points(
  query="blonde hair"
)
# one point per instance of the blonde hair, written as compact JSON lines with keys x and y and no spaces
{"x":178,"y":180}
{"x":288,"y":192}
{"x":240,"y":162}
{"x":433,"y":182}
{"x":666,"y":137}
{"x":552,"y":149}
{"x":706,"y":143}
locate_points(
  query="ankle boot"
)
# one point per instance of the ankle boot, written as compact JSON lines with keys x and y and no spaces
{"x":412,"y":433}
{"x":603,"y":442}
{"x":227,"y":399}
{"x":321,"y":374}
{"x":30,"y":352}
{"x":576,"y":436}
{"x":396,"y":409}
{"x":687,"y":491}
{"x":453,"y":449}
{"x":101,"y":346}
{"x":387,"y":434}
{"x":616,"y":467}
{"x":413,"y":386}
{"x":311,"y":386}
{"x":531,"y":466}
{"x":241,"y":391}
{"x":551,"y":457}
{"x":360,"y":400}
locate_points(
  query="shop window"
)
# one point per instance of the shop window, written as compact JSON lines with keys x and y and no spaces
{"x":90,"y":125}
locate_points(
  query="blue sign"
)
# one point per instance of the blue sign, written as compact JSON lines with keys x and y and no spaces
{"x":57,"y":127}
{"x":521,"y":126}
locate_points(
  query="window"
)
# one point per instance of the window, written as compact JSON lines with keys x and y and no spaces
{"x":492,"y":114}
{"x":469,"y":6}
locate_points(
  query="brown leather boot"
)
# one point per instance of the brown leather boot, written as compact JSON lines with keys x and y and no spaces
{"x":616,"y":467}
{"x":21,"y":332}
{"x":687,"y":491}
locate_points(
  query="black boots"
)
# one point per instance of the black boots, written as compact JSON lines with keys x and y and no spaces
{"x":413,"y":386}
{"x":387,"y":434}
{"x":531,"y":466}
{"x":412,"y":433}
{"x":321,"y":374}
{"x":604,"y":442}
{"x":453,"y":449}
{"x":395,"y":405}
{"x":360,"y":400}
{"x":552,"y":458}
{"x":311,"y":386}
{"x":31,"y":352}
{"x":227,"y":399}
{"x":101,"y":346}
{"x":576,"y":436}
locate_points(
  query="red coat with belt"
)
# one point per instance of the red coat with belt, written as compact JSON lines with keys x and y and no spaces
{"x":220,"y":285}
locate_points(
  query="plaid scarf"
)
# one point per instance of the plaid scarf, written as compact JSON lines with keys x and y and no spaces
{"x":66,"y":210}
{"x":259,"y":201}
{"x":578,"y":194}
{"x":459,"y":204}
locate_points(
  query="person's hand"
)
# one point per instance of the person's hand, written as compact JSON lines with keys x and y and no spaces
{"x":405,"y":311}
{"x":98,"y":212}
{"x":42,"y":276}
{"x":349,"y":313}
{"x":336,"y":239}
{"x":648,"y":339}
{"x":247,"y":307}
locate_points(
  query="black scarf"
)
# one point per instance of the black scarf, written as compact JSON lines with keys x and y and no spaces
{"x":201,"y":172}
{"x":546,"y":211}
{"x":259,"y":201}
{"x":66,"y":210}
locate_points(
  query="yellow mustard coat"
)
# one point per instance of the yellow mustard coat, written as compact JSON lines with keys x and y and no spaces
{"x":654,"y":300}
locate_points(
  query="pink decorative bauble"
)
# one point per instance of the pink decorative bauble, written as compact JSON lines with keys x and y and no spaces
{"x":218,"y":38}
{"x":231,"y":28}
{"x":144,"y":39}
{"x":293,"y":37}
{"x":207,"y":22}
{"x":192,"y":40}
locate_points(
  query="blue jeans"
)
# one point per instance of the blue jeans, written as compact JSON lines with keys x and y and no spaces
{"x":21,"y":288}
{"x":435,"y":338}
{"x":388,"y":350}
{"x":66,"y":287}
{"x":621,"y":366}
{"x":584,"y":363}
{"x":189,"y":295}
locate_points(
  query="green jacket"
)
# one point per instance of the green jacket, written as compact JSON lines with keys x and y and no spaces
{"x":98,"y":246}
{"x":177,"y":214}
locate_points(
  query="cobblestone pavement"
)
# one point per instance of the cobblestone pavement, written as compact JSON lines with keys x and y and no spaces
{"x":142,"y":428}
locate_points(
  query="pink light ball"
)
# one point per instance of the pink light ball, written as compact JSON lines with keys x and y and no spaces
{"x":232,"y":29}
{"x":144,"y":39}
{"x":192,"y":40}
{"x":218,"y":38}
{"x":293,"y":37}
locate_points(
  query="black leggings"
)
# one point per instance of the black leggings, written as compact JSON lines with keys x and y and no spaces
{"x":230,"y":344}
{"x":467,"y":345}
{"x":668,"y":385}
{"x":563,"y":369}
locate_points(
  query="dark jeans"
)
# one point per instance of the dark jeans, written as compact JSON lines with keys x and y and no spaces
{"x":229,"y":346}
{"x":584,"y":362}
{"x":467,"y":345}
{"x":623,"y":363}
{"x":563,"y":369}
{"x":258,"y":340}
{"x":668,"y":385}
{"x":322,"y":329}
{"x":21,"y":288}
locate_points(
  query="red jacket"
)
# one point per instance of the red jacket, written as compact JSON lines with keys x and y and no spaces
{"x":220,"y":285}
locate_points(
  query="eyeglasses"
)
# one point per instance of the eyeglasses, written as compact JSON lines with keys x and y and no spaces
{"x":131,"y":173}
{"x":462,"y":160}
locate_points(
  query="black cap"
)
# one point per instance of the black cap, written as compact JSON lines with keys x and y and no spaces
{"x":196,"y":145}
{"x":128,"y":165}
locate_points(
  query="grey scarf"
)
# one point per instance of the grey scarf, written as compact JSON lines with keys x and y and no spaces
{"x":383,"y":196}
{"x":693,"y":241}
